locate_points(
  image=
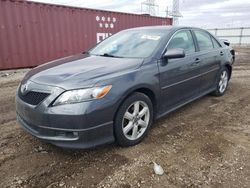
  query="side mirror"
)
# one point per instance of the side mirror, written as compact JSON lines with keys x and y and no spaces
{"x":174,"y":53}
{"x":226,"y":42}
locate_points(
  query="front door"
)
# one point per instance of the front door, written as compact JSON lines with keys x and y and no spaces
{"x":179,"y":78}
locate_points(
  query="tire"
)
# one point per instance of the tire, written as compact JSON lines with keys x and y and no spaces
{"x":132,"y":125}
{"x":222,"y":83}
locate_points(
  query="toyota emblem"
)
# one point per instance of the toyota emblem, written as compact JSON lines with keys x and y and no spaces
{"x":24,"y":88}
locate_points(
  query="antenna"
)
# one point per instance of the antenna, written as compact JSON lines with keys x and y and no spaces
{"x":149,"y":7}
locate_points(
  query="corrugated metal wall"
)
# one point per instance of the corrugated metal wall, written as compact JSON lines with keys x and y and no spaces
{"x":35,"y":33}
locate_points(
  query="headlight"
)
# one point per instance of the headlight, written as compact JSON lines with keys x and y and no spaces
{"x":80,"y":95}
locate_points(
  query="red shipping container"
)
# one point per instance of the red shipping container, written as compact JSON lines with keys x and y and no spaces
{"x":34,"y":33}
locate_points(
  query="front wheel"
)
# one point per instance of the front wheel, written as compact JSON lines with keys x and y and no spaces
{"x":133,"y":119}
{"x":222,"y":83}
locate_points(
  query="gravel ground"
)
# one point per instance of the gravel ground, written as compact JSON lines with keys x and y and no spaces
{"x":204,"y":144}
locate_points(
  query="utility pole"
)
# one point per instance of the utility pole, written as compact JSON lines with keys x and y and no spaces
{"x":150,"y":7}
{"x":167,"y":12}
{"x":176,"y":12}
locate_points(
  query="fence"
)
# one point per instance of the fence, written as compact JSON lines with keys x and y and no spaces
{"x":236,"y":36}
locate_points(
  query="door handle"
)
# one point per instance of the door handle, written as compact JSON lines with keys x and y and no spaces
{"x":197,"y":60}
{"x":221,"y":53}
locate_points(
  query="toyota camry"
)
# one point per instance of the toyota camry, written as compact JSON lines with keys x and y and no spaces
{"x":115,"y":91}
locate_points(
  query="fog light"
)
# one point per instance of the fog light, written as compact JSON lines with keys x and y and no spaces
{"x":61,"y":134}
{"x":75,"y":133}
{"x":67,"y":134}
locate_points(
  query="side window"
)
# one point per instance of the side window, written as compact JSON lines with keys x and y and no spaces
{"x":204,"y":40}
{"x":216,"y":43}
{"x":184,"y":40}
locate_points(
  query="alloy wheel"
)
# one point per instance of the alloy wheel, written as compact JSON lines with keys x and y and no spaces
{"x":223,"y":81}
{"x":135,"y":120}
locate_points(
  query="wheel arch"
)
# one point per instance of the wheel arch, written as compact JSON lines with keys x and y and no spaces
{"x":145,"y":90}
{"x":229,"y":68}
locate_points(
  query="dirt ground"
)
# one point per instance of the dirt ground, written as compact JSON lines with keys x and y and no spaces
{"x":204,"y":144}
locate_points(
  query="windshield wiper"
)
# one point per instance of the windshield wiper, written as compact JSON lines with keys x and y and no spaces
{"x":110,"y":55}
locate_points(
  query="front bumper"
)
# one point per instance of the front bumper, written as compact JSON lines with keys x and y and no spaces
{"x":79,"y":126}
{"x":74,"y":139}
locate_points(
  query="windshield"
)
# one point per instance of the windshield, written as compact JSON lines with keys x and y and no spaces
{"x":129,"y":44}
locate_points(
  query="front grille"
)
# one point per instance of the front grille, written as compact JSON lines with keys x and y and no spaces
{"x":33,"y":97}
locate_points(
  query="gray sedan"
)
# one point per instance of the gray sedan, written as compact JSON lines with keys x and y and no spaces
{"x":115,"y":91}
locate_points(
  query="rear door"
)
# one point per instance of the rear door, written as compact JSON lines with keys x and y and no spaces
{"x":179,"y":78}
{"x":210,"y":58}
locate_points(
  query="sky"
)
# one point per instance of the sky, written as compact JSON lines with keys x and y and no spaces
{"x":199,"y":13}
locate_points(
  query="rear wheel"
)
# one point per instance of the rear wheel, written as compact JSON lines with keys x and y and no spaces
{"x":133,"y":119}
{"x":222,"y":83}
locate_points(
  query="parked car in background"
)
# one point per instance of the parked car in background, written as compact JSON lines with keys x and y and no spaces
{"x":114,"y":91}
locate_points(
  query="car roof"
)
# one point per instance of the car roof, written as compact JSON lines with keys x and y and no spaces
{"x":163,"y":27}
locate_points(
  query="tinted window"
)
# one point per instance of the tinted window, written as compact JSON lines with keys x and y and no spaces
{"x":216,"y":43}
{"x":204,"y":40}
{"x":184,"y":40}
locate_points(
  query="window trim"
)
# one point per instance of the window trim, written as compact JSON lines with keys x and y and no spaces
{"x":190,"y":30}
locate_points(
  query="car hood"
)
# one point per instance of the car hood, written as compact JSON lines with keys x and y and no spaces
{"x":80,"y":70}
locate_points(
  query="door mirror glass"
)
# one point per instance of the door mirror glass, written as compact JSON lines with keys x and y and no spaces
{"x":174,"y":53}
